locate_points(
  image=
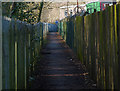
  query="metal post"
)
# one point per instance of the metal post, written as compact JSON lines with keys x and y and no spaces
{"x":77,"y":6}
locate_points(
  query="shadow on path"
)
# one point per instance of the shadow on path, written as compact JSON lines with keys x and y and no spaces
{"x":59,"y":68}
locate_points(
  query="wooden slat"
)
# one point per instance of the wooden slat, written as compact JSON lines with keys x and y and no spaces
{"x":97,"y":44}
{"x":0,"y":47}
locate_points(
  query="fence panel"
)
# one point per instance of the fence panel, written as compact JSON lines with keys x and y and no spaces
{"x":21,"y":48}
{"x":97,"y":44}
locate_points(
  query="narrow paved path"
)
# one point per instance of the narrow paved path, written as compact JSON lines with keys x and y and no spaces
{"x":59,"y":68}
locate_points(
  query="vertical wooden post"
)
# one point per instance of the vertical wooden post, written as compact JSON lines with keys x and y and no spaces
{"x":93,"y":62}
{"x":32,"y":48}
{"x":118,"y":36}
{"x":0,"y":46}
{"x":27,"y":56}
{"x":12,"y":54}
{"x":85,"y":41}
{"x":5,"y":50}
{"x":97,"y":48}
{"x":16,"y":46}
{"x":111,"y":49}
{"x":115,"y":61}
{"x":107,"y":44}
{"x":100,"y":60}
{"x":21,"y":56}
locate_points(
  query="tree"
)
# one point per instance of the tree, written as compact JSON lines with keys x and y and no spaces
{"x":40,"y":10}
{"x":24,"y":11}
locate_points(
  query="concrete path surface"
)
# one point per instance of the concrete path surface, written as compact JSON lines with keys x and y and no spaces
{"x":59,"y":68}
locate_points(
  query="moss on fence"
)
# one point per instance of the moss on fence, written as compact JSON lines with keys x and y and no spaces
{"x":97,"y":44}
{"x":21,"y":48}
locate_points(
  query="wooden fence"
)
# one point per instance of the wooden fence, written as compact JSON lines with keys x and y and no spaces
{"x":21,"y":43}
{"x":95,"y":38}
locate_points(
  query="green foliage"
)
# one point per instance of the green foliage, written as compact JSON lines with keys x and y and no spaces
{"x":6,"y":8}
{"x":24,"y":11}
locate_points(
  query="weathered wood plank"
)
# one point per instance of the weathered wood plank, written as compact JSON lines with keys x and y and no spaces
{"x":97,"y":44}
{"x":0,"y":46}
{"x":21,"y":47}
{"x":118,"y":36}
{"x":12,"y":54}
{"x":5,"y":51}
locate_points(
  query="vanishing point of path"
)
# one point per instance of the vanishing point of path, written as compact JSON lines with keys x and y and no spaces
{"x":59,"y":68}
